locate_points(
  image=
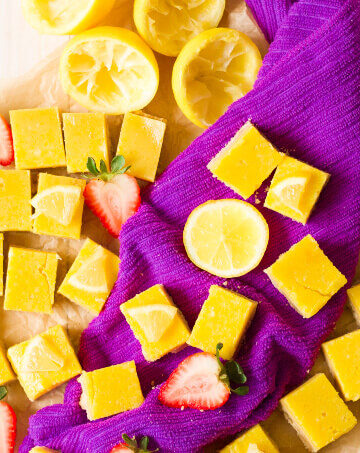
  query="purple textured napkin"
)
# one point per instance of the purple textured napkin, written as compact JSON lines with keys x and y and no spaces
{"x":307,"y":101}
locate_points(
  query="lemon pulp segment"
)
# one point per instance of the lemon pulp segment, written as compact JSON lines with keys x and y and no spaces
{"x":167,"y":25}
{"x":109,"y":69}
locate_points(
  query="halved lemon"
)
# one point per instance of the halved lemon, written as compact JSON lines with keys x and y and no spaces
{"x":58,"y":203}
{"x":95,"y":275}
{"x":213,"y":70}
{"x":167,"y":25}
{"x":291,"y":190}
{"x":65,"y":17}
{"x":41,"y":357}
{"x":227,"y":238}
{"x":109,"y":69}
{"x":154,"y":320}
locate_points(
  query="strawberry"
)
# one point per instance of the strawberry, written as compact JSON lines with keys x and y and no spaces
{"x":112,"y":195}
{"x":7,"y":425}
{"x":202,"y":381}
{"x":130,"y":444}
{"x":6,"y":143}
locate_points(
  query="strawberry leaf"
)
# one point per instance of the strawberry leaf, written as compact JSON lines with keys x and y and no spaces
{"x":117,"y":163}
{"x":3,"y":393}
{"x":244,"y":390}
{"x":91,"y":166}
{"x":144,"y":443}
{"x":103,"y":167}
{"x":130,"y":442}
{"x":235,"y":372}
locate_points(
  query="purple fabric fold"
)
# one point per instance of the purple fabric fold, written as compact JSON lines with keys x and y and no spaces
{"x":307,"y":101}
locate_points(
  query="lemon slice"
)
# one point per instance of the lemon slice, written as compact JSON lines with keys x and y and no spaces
{"x":93,"y":275}
{"x":154,"y":320}
{"x":65,"y":17}
{"x":213,"y":70}
{"x":40,"y":357}
{"x":58,"y":203}
{"x":227,"y":238}
{"x":167,"y":25}
{"x":291,"y":190}
{"x":109,"y":69}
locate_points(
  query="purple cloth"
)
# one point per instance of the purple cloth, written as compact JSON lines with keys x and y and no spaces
{"x":307,"y":101}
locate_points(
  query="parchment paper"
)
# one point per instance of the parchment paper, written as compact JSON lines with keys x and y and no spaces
{"x":41,"y":88}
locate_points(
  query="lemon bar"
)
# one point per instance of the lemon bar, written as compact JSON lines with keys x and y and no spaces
{"x":295,"y":189}
{"x":6,"y":373}
{"x":41,"y":450}
{"x":224,"y":318}
{"x":38,"y":140}
{"x":91,"y":277}
{"x":111,"y":390}
{"x":15,"y":196}
{"x":354,"y":298}
{"x":44,"y":362}
{"x":85,"y":136}
{"x":246,"y":161}
{"x":156,"y":322}
{"x":140,"y":142}
{"x":254,"y":438}
{"x":48,"y":225}
{"x":30,"y":281}
{"x":317,"y":413}
{"x":306,"y":277}
{"x":343,"y":358}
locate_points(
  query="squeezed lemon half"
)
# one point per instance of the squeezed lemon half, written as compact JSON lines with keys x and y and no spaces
{"x":65,"y":17}
{"x":109,"y":69}
{"x":167,"y":25}
{"x":213,"y":70}
{"x":227,"y":238}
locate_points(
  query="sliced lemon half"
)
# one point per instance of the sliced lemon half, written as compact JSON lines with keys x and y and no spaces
{"x":95,"y":274}
{"x":58,"y":203}
{"x":213,"y":70}
{"x":109,"y":69}
{"x":167,"y":25}
{"x":41,"y":357}
{"x":65,"y":17}
{"x":227,"y":238}
{"x":291,"y":190}
{"x":154,"y":320}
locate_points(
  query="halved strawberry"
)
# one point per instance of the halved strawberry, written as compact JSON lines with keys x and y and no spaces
{"x":130,"y":444}
{"x":6,"y":143}
{"x":7,"y":425}
{"x":202,"y":381}
{"x":113,"y":196}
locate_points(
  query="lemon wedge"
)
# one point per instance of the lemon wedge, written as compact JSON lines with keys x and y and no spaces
{"x":291,"y":190}
{"x":93,"y":276}
{"x":58,"y":203}
{"x":227,"y":238}
{"x":65,"y":17}
{"x":213,"y":70}
{"x":167,"y":25}
{"x":109,"y":69}
{"x":41,"y":357}
{"x":154,"y":320}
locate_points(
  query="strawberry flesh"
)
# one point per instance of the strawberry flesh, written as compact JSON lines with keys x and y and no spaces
{"x":6,"y":143}
{"x":196,"y":384}
{"x":7,"y":428}
{"x":120,"y":448}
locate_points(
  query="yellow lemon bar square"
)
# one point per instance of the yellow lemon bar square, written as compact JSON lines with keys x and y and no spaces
{"x":30,"y":280}
{"x":91,"y":277}
{"x":354,"y":298}
{"x":317,"y":413}
{"x":295,"y":189}
{"x":47,"y":225}
{"x":38,"y":140}
{"x":343,"y":358}
{"x":44,"y":362}
{"x":306,"y":277}
{"x":41,"y":450}
{"x":256,"y":437}
{"x":15,"y":196}
{"x":140,"y":142}
{"x":111,"y":390}
{"x":85,"y":136}
{"x":175,"y":334}
{"x":6,"y":372}
{"x":246,"y":161}
{"x":224,"y":318}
